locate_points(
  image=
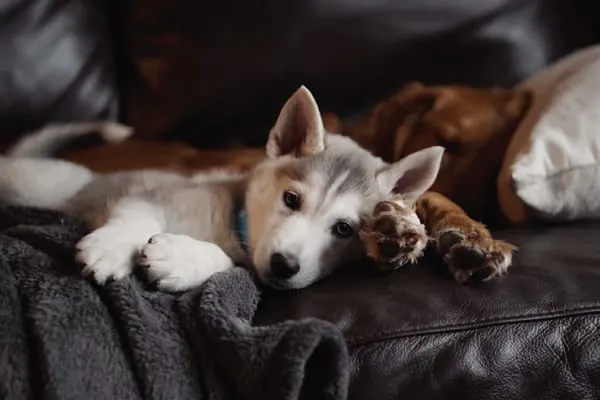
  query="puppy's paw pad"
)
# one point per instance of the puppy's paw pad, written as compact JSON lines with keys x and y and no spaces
{"x":411,"y":238}
{"x":478,"y":261}
{"x":447,"y":240}
{"x":395,"y":236}
{"x":389,"y":249}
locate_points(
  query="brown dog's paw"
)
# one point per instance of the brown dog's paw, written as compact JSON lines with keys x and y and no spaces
{"x":394,"y":236}
{"x":473,"y":259}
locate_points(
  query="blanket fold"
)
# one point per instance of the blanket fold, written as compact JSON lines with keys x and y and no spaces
{"x":63,"y":337}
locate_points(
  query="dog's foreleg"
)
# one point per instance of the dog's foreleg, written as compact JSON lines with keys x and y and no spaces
{"x":466,"y":246}
{"x":109,"y":252}
{"x":180,"y":262}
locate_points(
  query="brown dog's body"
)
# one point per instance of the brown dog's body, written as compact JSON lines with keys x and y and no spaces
{"x":475,"y":127}
{"x":139,"y":154}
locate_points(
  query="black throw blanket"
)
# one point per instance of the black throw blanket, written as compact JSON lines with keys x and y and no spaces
{"x":63,"y":337}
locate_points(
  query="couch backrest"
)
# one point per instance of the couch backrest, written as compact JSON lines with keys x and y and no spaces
{"x":56,"y":64}
{"x":207,"y":70}
{"x":210,"y":71}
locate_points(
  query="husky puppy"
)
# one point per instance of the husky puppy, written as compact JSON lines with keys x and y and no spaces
{"x":294,"y":218}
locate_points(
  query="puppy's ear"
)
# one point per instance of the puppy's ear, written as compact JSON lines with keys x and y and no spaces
{"x":299,"y":128}
{"x":413,"y":175}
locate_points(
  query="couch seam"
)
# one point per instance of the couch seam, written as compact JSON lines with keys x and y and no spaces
{"x":365,"y":340}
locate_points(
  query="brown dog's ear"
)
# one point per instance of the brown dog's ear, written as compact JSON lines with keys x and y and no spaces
{"x":332,"y":123}
{"x":516,"y":103}
{"x":299,"y":129}
{"x":411,"y":86}
{"x":414,"y":105}
{"x":413,"y":175}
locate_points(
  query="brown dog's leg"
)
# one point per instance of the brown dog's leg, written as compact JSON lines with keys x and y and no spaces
{"x":398,"y":234}
{"x":466,"y":246}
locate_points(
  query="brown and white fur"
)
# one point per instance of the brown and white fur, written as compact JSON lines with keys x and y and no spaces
{"x":305,"y":203}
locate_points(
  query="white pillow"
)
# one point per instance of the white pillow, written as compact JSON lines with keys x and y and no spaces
{"x":551,"y":170}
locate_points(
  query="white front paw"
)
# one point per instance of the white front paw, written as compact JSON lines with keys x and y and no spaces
{"x":179,"y":262}
{"x":107,"y":253}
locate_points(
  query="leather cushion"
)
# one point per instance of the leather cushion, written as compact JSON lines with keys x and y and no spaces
{"x":417,"y":334}
{"x":210,"y":71}
{"x":56,"y":64}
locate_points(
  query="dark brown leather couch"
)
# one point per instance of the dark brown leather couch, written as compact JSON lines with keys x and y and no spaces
{"x":214,"y":72}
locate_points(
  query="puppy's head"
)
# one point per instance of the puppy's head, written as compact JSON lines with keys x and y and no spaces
{"x":307,"y":202}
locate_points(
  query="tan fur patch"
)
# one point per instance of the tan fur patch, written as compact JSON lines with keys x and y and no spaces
{"x":291,"y":170}
{"x":268,"y":183}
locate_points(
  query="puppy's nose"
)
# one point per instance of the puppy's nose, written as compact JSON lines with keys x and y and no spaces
{"x":283,"y":267}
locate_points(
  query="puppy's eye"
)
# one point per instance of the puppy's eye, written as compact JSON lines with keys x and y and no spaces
{"x":291,"y":200}
{"x":342,"y":229}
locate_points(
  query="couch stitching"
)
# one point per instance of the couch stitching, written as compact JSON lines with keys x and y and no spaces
{"x":364,"y":340}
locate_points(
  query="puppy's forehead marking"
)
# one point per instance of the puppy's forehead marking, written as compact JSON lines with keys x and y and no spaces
{"x":345,"y":173}
{"x":332,"y":189}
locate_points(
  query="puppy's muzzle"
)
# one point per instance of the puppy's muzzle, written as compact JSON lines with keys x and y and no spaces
{"x":284,"y":266}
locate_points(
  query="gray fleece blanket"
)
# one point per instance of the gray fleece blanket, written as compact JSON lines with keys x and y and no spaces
{"x":62,"y":337}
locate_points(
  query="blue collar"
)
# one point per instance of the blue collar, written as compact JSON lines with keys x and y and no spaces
{"x":241,"y":226}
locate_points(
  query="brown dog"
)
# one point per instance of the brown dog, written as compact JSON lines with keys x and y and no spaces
{"x":474,"y":125}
